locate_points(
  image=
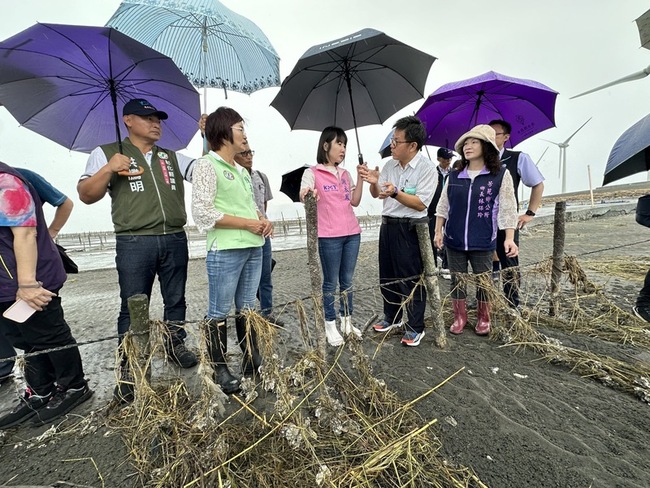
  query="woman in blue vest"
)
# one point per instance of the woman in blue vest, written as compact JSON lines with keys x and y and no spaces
{"x":478,"y":200}
{"x":224,"y":208}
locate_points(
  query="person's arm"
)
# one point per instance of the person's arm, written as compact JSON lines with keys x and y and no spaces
{"x":61,"y":216}
{"x":357,"y":193}
{"x":94,"y":183}
{"x":507,"y":217}
{"x":26,"y":253}
{"x":534,"y":202}
{"x":532,"y":177}
{"x":307,"y":183}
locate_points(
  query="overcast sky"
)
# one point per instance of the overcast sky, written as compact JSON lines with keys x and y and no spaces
{"x":570,"y":46}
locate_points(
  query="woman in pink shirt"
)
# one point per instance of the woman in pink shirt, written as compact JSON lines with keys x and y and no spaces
{"x":339,"y":234}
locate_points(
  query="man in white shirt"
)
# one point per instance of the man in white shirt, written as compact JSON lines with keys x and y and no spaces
{"x":406,"y":184}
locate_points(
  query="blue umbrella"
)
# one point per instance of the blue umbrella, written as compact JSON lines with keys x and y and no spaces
{"x":631,"y":152}
{"x":68,"y":83}
{"x":212,"y":45}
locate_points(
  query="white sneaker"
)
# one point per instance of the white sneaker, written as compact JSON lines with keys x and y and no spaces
{"x":445,"y":273}
{"x":332,"y":333}
{"x":348,"y":328}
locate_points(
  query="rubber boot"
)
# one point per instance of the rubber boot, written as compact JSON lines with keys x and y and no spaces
{"x":217,"y":337}
{"x":332,"y":333}
{"x":348,"y":328}
{"x":483,"y":324}
{"x":248,"y":343}
{"x":460,"y":316}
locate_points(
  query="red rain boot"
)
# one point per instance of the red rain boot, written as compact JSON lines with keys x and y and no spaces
{"x":483,"y":325}
{"x":460,"y":316}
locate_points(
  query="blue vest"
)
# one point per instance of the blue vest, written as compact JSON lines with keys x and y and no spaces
{"x":49,"y":268}
{"x":473,"y":210}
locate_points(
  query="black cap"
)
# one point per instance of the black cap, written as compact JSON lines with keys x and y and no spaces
{"x":139,"y":106}
{"x":445,"y":153}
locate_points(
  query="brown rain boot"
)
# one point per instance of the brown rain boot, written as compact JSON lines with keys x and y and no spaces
{"x":460,"y":316}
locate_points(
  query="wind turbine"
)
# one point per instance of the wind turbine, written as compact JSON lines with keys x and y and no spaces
{"x":634,"y":76}
{"x":643,"y":24}
{"x":536,"y":164}
{"x":562,"y":161}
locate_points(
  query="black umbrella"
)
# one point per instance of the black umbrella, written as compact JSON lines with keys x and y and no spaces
{"x":380,"y":75}
{"x":291,"y":183}
{"x":630,"y":153}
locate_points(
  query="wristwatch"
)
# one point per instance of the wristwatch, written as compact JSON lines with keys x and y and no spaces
{"x":394,"y":195}
{"x":530,"y":213}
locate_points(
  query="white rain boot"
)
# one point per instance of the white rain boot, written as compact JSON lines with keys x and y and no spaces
{"x":332,"y":333}
{"x":348,"y":328}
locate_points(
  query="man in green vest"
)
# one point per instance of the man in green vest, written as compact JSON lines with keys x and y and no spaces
{"x":145,"y":183}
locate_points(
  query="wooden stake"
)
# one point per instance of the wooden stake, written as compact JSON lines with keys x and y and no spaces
{"x":558,"y":256}
{"x":432,"y":285}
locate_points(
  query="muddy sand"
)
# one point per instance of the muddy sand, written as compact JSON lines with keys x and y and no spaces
{"x":513,"y":417}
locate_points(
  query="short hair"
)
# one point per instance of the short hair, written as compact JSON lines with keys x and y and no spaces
{"x":413,"y":129}
{"x":328,"y":135}
{"x":507,"y":128}
{"x":218,"y":127}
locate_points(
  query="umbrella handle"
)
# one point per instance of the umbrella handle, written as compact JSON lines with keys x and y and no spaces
{"x":361,"y":161}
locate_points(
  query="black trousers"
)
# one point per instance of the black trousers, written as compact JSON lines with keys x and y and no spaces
{"x":511,"y":277}
{"x":45,"y":330}
{"x":643,"y":300}
{"x":399,"y":257}
{"x":481,"y":262}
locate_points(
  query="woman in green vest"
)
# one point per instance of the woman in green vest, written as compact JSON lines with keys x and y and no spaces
{"x":224,"y":208}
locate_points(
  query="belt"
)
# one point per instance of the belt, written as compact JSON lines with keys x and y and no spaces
{"x":395,"y":220}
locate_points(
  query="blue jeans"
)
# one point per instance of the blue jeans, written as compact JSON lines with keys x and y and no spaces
{"x":233,"y":274}
{"x":266,"y":284}
{"x":338,"y":258}
{"x":139,"y":259}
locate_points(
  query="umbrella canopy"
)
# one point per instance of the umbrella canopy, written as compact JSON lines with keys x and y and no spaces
{"x":643,"y":24}
{"x":67,"y":82}
{"x":359,"y":80}
{"x":211,"y":44}
{"x":456,"y":107}
{"x":384,"y":150}
{"x":631,"y":152}
{"x":290,"y":185}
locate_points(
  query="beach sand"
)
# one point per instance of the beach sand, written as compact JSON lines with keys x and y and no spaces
{"x":513,"y":417}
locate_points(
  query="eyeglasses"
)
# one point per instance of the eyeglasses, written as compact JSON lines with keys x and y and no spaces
{"x":243,"y":131}
{"x":247,"y":153}
{"x":393,"y":142}
{"x":500,"y":133}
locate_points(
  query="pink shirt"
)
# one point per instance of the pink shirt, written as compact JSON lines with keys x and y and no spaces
{"x":335,"y":215}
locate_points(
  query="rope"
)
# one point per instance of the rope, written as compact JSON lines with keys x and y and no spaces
{"x":292,"y":302}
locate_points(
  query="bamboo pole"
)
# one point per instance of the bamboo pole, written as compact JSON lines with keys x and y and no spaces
{"x":558,"y":256}
{"x":432,"y":285}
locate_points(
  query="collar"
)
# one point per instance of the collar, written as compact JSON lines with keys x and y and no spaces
{"x":413,"y":163}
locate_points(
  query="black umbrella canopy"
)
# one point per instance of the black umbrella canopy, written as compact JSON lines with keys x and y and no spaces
{"x":382,"y":74}
{"x":630,"y":153}
{"x":361,"y":79}
{"x":291,"y":183}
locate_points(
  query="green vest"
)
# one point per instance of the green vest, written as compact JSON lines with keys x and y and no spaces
{"x":234,"y":197}
{"x":152,"y":203}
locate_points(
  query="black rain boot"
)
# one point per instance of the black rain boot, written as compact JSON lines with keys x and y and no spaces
{"x":217,"y":338}
{"x":252,"y":359}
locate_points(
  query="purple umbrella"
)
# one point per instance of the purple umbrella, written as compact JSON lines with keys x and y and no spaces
{"x":68,"y":83}
{"x":456,"y":107}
